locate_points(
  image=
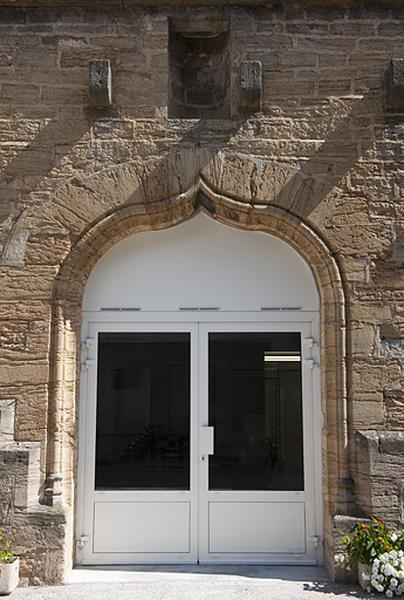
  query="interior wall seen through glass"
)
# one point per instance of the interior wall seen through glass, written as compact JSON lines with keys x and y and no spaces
{"x":143,"y":411}
{"x":255,"y":406}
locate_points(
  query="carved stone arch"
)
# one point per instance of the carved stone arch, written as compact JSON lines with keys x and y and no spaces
{"x":125,"y":214}
{"x":84,"y":200}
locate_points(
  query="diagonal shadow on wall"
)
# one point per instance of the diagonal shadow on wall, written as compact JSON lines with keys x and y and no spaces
{"x":344,"y":146}
{"x":307,"y":186}
{"x":26,"y":174}
{"x":203,"y":141}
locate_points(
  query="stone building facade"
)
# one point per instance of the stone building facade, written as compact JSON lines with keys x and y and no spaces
{"x":286,"y":118}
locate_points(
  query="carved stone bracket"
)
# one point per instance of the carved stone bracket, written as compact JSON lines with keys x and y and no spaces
{"x":250,"y":92}
{"x":395,"y":85}
{"x":100,"y":83}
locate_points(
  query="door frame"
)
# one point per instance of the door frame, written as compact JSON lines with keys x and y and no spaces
{"x":312,"y":554}
{"x":87,"y":496}
{"x":189,"y":320}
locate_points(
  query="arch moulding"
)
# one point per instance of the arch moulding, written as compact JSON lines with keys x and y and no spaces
{"x":203,"y":192}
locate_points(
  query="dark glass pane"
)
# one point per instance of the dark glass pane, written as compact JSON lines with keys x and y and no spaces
{"x":255,"y":406}
{"x":143,"y":400}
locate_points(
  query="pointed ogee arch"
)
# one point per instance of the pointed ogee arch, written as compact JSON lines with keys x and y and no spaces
{"x":110,"y":213}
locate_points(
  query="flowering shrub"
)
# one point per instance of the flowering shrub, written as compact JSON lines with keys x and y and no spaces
{"x":387,"y":573}
{"x":368,"y":540}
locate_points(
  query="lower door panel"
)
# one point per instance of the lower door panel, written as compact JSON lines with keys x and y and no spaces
{"x":142,"y":527}
{"x":257,"y":527}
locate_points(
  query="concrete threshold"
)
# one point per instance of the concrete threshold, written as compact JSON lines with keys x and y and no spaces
{"x":194,"y":573}
{"x":194,"y":582}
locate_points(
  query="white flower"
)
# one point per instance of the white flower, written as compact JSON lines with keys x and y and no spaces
{"x":387,"y":574}
{"x":394,"y":537}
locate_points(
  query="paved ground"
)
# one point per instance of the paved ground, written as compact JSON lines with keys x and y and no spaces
{"x":195,"y":583}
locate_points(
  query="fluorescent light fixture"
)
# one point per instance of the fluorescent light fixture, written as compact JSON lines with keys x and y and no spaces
{"x":281,"y":357}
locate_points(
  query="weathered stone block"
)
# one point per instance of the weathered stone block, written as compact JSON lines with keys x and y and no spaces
{"x":21,"y":461}
{"x":394,"y":406}
{"x":6,"y":499}
{"x":342,"y":524}
{"x":380,"y":468}
{"x":7,"y":417}
{"x":250,"y":93}
{"x":395,"y":85}
{"x":39,"y":537}
{"x":363,"y":340}
{"x":391,"y":349}
{"x":396,"y":256}
{"x":100,"y":83}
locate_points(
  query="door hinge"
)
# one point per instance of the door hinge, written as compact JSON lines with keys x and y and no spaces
{"x":315,"y":540}
{"x":88,"y":363}
{"x":311,"y":343}
{"x":88,"y":342}
{"x":83,"y":539}
{"x":312,"y":363}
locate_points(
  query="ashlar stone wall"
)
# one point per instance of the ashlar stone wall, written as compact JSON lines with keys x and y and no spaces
{"x":320,"y":164}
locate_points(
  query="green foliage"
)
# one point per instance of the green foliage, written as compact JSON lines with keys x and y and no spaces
{"x":6,"y":554}
{"x":368,"y":540}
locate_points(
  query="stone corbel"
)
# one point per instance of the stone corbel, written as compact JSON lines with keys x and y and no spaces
{"x":100,"y":83}
{"x":395,"y":86}
{"x":250,"y":92}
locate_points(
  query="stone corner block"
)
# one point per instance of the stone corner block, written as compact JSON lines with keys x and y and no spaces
{"x":338,"y":566}
{"x":380,"y":468}
{"x":100,"y":83}
{"x":20,"y":460}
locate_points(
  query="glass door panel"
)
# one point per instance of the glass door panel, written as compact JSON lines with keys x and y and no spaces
{"x":143,"y":411}
{"x":255,"y":408}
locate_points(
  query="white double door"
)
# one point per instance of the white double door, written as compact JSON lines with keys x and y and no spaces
{"x":199,"y":441}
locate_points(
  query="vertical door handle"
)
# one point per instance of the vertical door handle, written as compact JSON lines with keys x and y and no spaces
{"x":206,"y":440}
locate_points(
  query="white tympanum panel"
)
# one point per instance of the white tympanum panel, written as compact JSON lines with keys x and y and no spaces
{"x":201,"y":263}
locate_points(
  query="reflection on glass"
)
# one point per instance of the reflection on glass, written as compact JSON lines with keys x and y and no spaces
{"x":143,"y":400}
{"x":255,"y":406}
